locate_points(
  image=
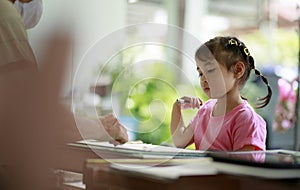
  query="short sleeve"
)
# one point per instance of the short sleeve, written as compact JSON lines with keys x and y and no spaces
{"x":193,"y":122}
{"x":31,"y":12}
{"x":249,"y":129}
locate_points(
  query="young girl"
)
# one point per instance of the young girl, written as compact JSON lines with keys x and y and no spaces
{"x":226,"y":122}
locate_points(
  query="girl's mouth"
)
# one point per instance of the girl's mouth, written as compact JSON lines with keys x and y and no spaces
{"x":206,"y":89}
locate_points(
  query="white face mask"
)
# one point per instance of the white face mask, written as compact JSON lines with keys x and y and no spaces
{"x":30,"y":12}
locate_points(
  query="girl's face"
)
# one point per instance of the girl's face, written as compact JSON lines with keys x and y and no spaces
{"x":215,"y":80}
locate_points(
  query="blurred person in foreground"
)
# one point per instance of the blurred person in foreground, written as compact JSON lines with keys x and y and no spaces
{"x":16,"y":55}
{"x":33,"y":124}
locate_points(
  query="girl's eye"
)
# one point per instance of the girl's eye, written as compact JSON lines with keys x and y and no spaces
{"x":211,"y":70}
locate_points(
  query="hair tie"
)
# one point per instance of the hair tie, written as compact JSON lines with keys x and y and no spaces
{"x":233,"y":42}
{"x":246,"y":51}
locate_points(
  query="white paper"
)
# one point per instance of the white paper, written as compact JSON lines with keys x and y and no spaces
{"x":203,"y":167}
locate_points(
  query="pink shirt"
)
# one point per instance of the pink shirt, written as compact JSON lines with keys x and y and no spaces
{"x":239,"y":127}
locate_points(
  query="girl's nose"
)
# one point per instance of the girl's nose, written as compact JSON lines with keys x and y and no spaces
{"x":203,"y":79}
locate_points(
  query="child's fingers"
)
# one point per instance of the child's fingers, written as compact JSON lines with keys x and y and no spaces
{"x":108,"y":120}
{"x":191,"y":102}
{"x":114,"y":128}
{"x":198,"y":102}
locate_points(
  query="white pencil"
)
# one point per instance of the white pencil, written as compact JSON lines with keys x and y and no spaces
{"x":180,"y":100}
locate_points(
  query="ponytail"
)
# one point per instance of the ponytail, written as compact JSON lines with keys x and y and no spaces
{"x":263,"y":101}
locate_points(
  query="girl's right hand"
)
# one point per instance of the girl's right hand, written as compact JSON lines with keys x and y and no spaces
{"x":187,"y":102}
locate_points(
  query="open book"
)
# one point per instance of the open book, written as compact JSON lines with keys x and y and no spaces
{"x":140,"y":149}
{"x":266,"y":164}
{"x":272,"y":164}
{"x":262,"y":164}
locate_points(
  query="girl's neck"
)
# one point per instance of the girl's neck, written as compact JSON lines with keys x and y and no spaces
{"x":227,"y":103}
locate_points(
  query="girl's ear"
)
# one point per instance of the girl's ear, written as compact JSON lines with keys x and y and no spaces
{"x":239,"y":69}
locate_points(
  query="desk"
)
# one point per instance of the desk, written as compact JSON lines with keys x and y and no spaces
{"x":75,"y":156}
{"x":99,"y":175}
{"x":76,"y":153}
{"x":73,"y":160}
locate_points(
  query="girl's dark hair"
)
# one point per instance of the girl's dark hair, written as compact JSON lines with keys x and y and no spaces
{"x":228,"y":51}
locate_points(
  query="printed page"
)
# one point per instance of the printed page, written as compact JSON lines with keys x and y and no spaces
{"x":140,"y":146}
